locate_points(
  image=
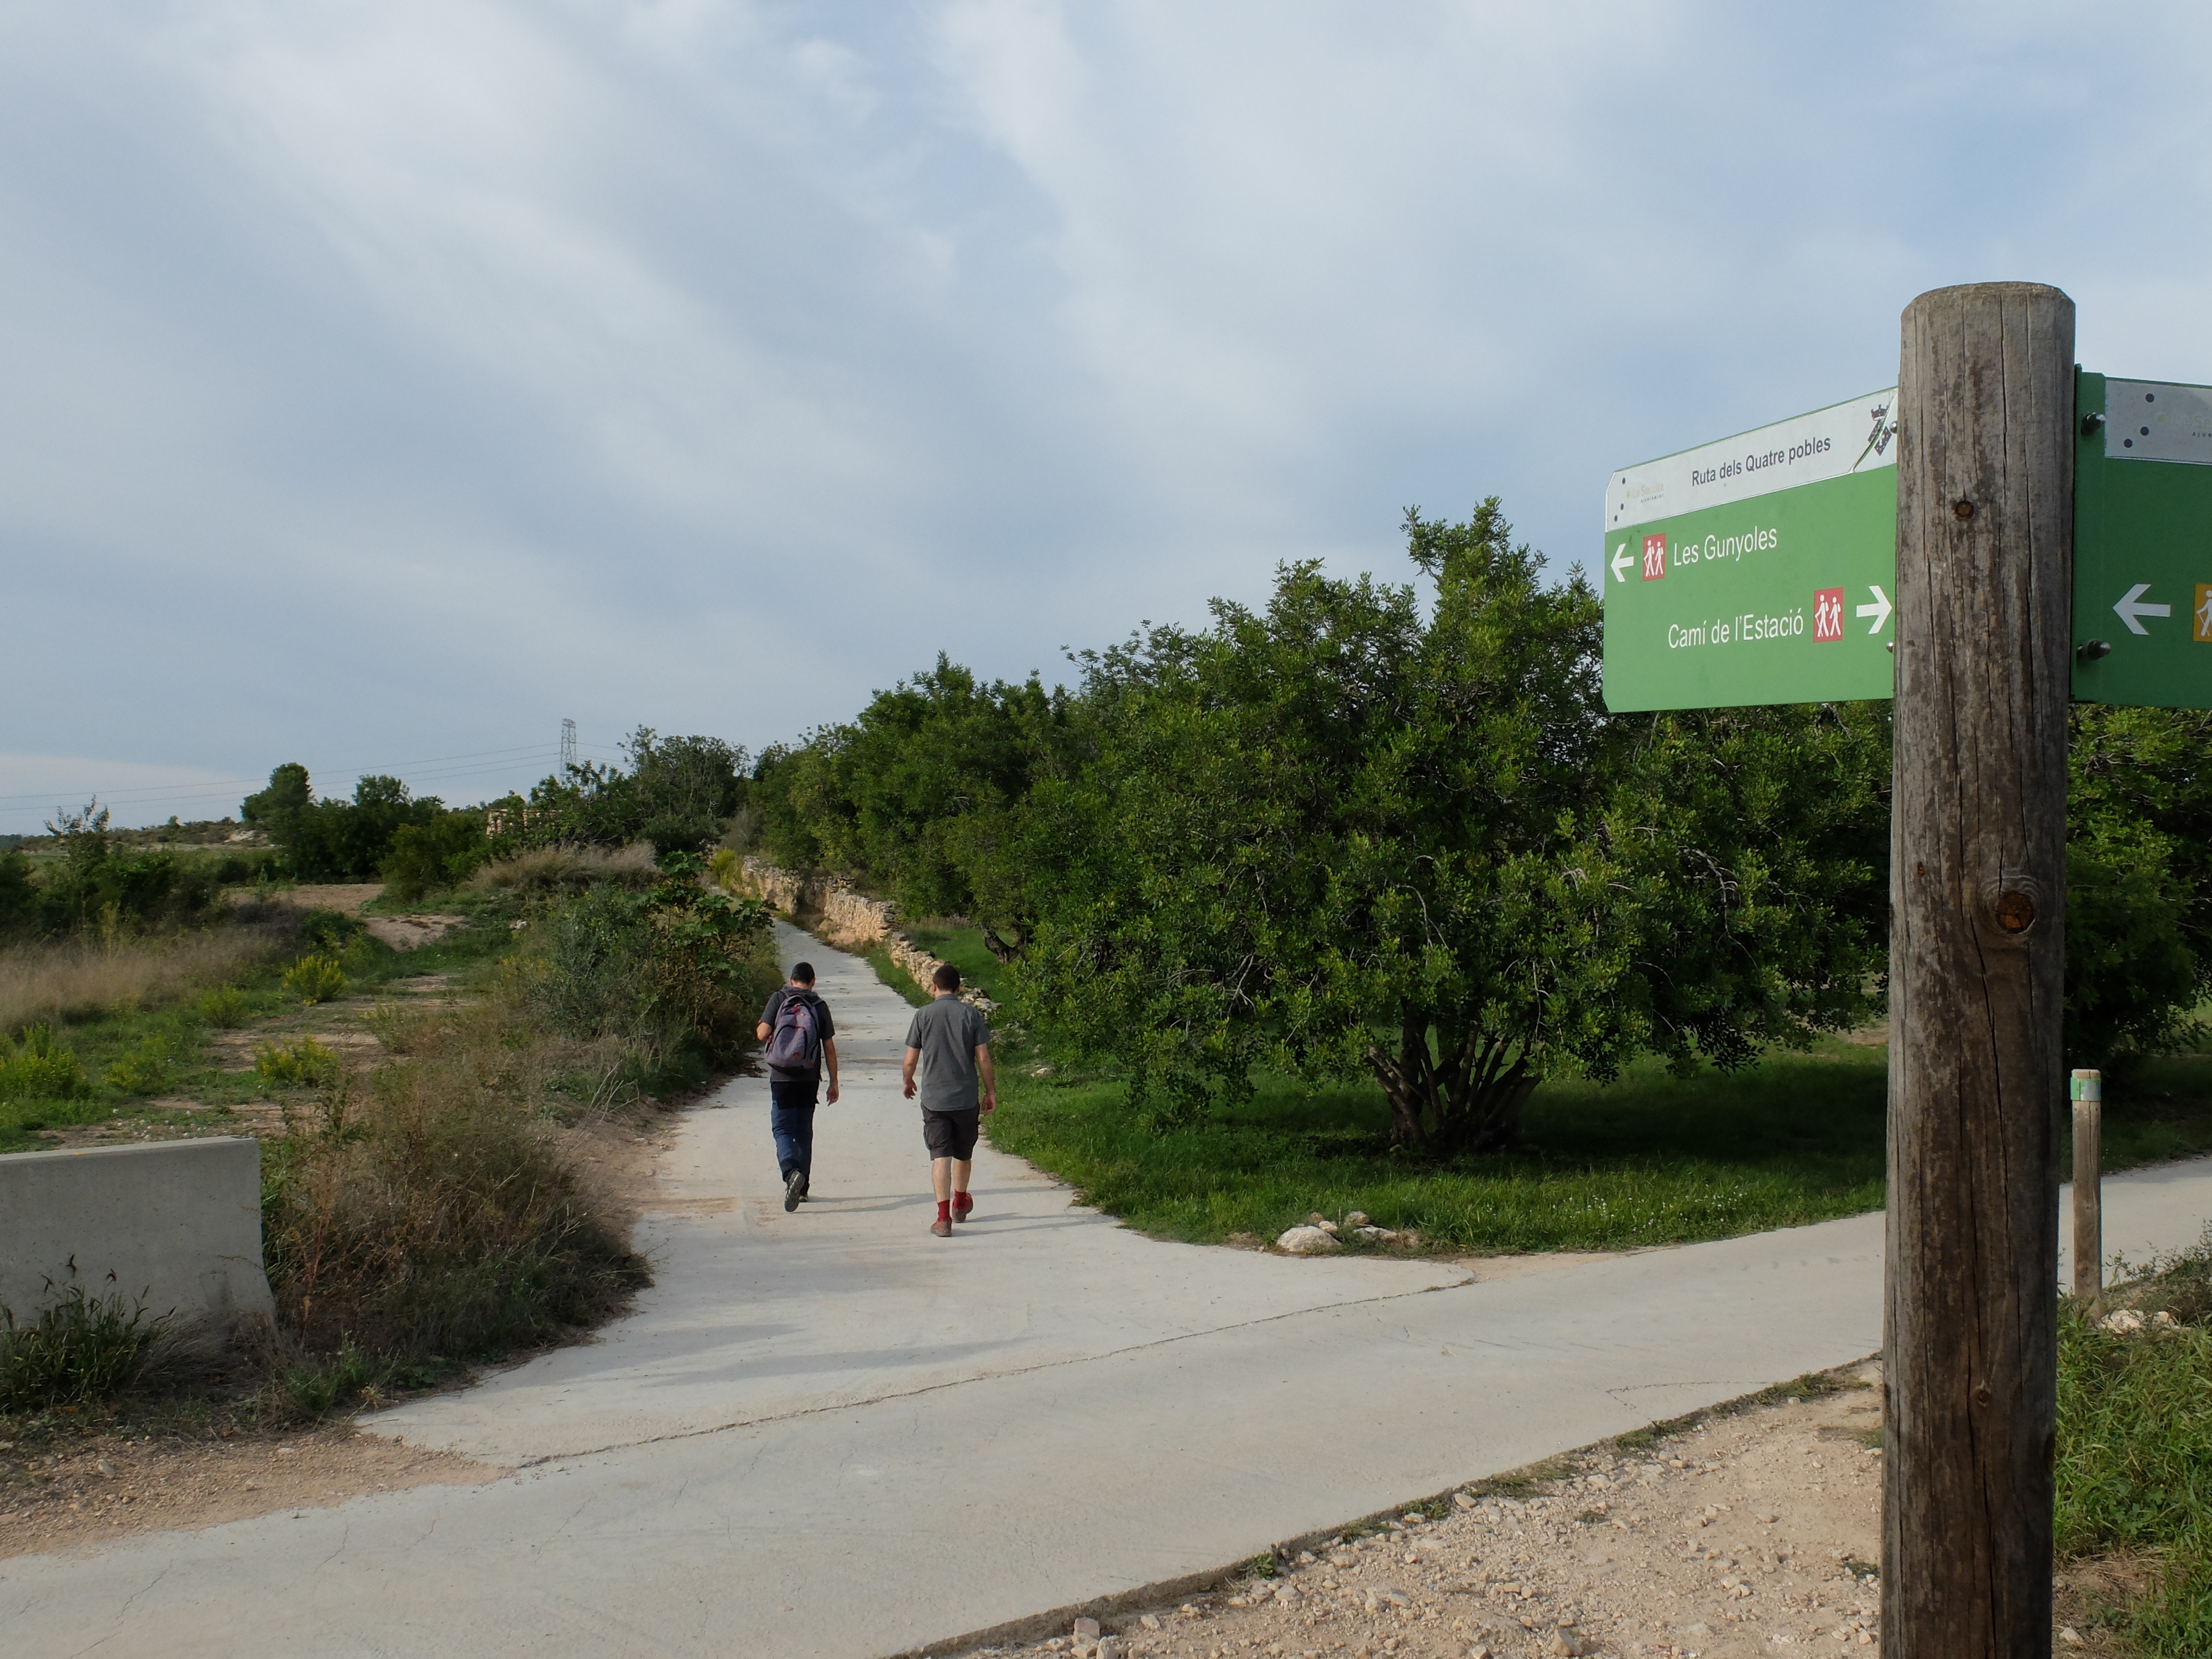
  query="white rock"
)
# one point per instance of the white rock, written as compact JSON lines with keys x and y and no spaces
{"x":2121,"y":1321}
{"x":1307,"y":1240}
{"x":1111,"y":1647}
{"x":1150,"y":1621}
{"x":1357,"y":1219}
{"x":1086,"y":1630}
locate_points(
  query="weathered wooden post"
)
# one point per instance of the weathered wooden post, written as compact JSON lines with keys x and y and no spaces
{"x":2087,"y":1089}
{"x":1985,"y":529}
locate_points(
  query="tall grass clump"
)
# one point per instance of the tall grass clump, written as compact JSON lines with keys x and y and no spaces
{"x":434,"y":1212}
{"x":569,"y":869}
{"x":2135,"y":1447}
{"x":76,"y":1350}
{"x":434,"y":1209}
{"x":58,"y":980}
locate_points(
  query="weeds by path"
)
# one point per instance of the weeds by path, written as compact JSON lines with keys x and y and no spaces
{"x":75,"y":978}
{"x":2135,"y":1451}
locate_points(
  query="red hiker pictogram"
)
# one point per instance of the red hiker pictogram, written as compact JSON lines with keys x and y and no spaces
{"x":1655,"y":557}
{"x":1828,"y":615}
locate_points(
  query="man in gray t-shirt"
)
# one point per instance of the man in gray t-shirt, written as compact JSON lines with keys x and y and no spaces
{"x":948,"y":1051}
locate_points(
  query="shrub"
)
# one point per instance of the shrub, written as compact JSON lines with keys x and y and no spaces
{"x":99,"y":883}
{"x":224,"y":1007}
{"x":318,"y":1387}
{"x":19,"y":898}
{"x":569,"y":869}
{"x":2135,"y":1447}
{"x":329,"y":931}
{"x":147,"y":1067}
{"x":441,"y":854}
{"x":33,"y":1066}
{"x":315,"y":979}
{"x":399,"y":1030}
{"x":446,"y":1220}
{"x":303,"y":1061}
{"x":77,"y":1350}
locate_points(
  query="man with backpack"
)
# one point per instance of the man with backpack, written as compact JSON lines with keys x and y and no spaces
{"x":799,"y":1034}
{"x":948,"y":1050}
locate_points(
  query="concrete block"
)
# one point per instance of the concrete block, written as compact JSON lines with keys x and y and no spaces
{"x":177,"y":1224}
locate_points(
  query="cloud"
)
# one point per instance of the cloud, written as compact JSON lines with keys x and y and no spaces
{"x":396,"y":381}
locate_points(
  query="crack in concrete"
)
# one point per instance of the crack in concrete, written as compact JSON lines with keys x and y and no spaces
{"x":986,"y":1376}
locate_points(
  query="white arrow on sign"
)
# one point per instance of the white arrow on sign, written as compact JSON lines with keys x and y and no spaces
{"x":2130,"y":606}
{"x":1878,"y":610}
{"x":1620,"y":563}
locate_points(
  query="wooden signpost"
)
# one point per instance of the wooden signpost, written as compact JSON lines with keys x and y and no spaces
{"x":2011,"y":597}
{"x":1977,"y":885}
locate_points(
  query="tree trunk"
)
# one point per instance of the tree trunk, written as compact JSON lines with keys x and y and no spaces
{"x":1457,"y":1096}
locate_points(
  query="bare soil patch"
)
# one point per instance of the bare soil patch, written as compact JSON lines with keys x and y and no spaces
{"x":90,"y":1491}
{"x":347,"y":897}
{"x":414,"y":931}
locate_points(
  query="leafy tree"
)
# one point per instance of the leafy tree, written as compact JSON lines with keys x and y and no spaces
{"x":19,"y":897}
{"x":273,"y":809}
{"x":924,"y":796}
{"x":678,"y":793}
{"x":2138,"y":882}
{"x":1344,"y":838}
{"x":440,"y":853}
{"x":349,"y":841}
{"x":99,"y":884}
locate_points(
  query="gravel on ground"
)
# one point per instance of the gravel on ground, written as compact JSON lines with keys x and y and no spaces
{"x":1739,"y":1533}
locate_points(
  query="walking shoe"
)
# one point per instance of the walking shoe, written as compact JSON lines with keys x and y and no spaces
{"x":794,"y":1189}
{"x":962,"y":1203}
{"x":941,"y":1227}
{"x":805,"y":1187}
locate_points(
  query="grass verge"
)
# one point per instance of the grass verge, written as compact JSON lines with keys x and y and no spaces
{"x":2135,"y":1452}
{"x":1650,"y":1159}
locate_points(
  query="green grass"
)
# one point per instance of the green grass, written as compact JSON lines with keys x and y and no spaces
{"x":1650,"y":1160}
{"x":895,"y":976}
{"x":2162,"y":1112}
{"x":134,"y":1055}
{"x":2135,"y":1451}
{"x":964,"y":949}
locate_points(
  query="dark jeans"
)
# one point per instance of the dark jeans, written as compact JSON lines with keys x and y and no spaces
{"x":791,"y":1120}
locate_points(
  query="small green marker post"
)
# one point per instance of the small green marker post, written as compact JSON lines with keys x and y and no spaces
{"x":2087,"y":1090}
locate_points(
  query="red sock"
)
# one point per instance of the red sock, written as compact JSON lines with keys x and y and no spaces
{"x":962,"y":1201}
{"x":943,"y":1210}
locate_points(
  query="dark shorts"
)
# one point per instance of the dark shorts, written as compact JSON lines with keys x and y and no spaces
{"x":952,"y":1134}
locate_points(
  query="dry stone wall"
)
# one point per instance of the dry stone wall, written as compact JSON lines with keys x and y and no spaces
{"x":850,"y":921}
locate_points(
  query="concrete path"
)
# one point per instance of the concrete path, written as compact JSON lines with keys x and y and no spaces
{"x":828,"y":1433}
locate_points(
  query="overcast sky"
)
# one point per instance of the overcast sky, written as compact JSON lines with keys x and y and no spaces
{"x":380,"y":384}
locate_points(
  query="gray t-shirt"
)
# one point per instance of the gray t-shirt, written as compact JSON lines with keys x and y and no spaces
{"x":948,"y":1032}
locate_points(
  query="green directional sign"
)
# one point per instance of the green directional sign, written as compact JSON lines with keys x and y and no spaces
{"x":1758,"y":569}
{"x":2142,"y":544}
